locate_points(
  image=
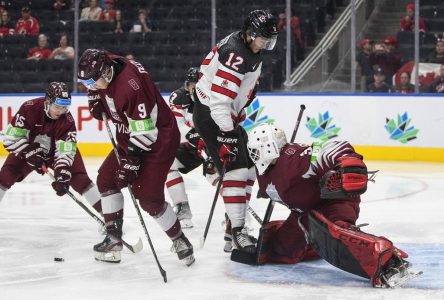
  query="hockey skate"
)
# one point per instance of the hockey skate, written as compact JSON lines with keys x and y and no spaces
{"x":183,"y":213}
{"x":242,"y":241}
{"x":228,"y":237}
{"x":109,"y":249}
{"x":184,"y":249}
{"x":397,"y":272}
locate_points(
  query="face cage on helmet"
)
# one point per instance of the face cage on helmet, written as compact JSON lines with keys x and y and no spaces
{"x":269,"y":42}
{"x":261,"y":156}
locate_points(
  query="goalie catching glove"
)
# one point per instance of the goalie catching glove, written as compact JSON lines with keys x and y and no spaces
{"x":348,"y":179}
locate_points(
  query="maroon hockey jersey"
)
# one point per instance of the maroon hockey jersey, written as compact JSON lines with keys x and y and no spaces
{"x":295,"y":177}
{"x":31,"y":125}
{"x":139,"y":112}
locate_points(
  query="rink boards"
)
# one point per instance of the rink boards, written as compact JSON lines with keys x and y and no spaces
{"x":382,"y":127}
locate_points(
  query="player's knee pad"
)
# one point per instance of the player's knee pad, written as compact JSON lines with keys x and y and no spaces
{"x":349,"y":178}
{"x":153,"y":208}
{"x":351,"y":250}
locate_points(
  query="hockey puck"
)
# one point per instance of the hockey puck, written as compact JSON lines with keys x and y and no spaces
{"x":59,"y":259}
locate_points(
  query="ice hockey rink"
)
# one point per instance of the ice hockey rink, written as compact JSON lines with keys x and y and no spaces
{"x":405,"y":204}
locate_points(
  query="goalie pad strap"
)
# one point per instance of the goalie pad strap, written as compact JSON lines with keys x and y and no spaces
{"x":350,"y":250}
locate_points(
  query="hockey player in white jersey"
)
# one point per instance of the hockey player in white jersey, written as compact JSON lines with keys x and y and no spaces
{"x":229,"y":74}
{"x":189,"y":154}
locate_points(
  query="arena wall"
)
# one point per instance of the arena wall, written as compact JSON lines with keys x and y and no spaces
{"x":382,"y":127}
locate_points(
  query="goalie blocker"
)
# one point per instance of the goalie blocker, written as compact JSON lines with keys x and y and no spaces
{"x":348,"y":249}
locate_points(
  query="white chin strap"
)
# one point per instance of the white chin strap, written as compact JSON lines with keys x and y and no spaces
{"x":47,"y":110}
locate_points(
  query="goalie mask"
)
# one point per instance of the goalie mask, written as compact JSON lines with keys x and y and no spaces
{"x":264,"y":145}
{"x":58,"y":97}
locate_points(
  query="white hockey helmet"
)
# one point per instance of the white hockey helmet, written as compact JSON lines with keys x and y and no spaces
{"x":264,"y":145}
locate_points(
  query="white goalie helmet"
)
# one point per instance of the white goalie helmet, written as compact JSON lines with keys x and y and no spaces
{"x":264,"y":145}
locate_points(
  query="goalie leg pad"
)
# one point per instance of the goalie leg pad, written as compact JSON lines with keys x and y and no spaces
{"x":348,"y":179}
{"x":350,"y":250}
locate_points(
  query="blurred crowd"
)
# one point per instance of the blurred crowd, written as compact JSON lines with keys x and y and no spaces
{"x":384,"y":68}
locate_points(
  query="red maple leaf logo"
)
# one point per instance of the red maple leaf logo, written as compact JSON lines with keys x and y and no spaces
{"x":426,"y":79}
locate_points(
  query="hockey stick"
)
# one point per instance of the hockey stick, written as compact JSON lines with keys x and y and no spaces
{"x":293,"y":136}
{"x":255,"y":215}
{"x":270,"y":207}
{"x":133,"y":248}
{"x":298,"y":121}
{"x":247,"y":258}
{"x":136,"y":206}
{"x":213,"y":206}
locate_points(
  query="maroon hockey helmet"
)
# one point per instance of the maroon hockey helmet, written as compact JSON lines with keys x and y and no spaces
{"x":94,"y":64}
{"x":57,"y":93}
{"x":261,"y":23}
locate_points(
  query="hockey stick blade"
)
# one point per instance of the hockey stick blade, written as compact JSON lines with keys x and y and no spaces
{"x":243,"y":257}
{"x":136,"y":248}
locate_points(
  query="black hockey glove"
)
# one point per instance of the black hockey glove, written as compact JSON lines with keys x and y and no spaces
{"x":228,"y":145}
{"x":210,"y":171}
{"x":34,"y":156}
{"x":95,"y":106}
{"x":192,"y":137}
{"x":128,"y":171}
{"x":208,"y":167}
{"x":62,"y":177}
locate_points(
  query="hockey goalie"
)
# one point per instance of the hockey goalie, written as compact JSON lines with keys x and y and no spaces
{"x":321,"y":184}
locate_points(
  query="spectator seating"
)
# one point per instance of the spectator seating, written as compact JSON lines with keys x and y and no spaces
{"x":433,"y":13}
{"x":181,"y":39}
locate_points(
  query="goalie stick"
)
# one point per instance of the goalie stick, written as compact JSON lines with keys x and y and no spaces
{"x":133,"y":248}
{"x":253,"y":259}
{"x":136,"y":206}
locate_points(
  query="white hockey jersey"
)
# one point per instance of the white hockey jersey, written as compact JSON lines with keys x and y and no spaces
{"x":228,"y":77}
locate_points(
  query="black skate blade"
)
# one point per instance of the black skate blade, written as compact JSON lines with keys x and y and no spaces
{"x":243,"y":257}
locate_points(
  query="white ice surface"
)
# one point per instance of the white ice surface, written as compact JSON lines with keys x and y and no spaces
{"x":405,"y":205}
